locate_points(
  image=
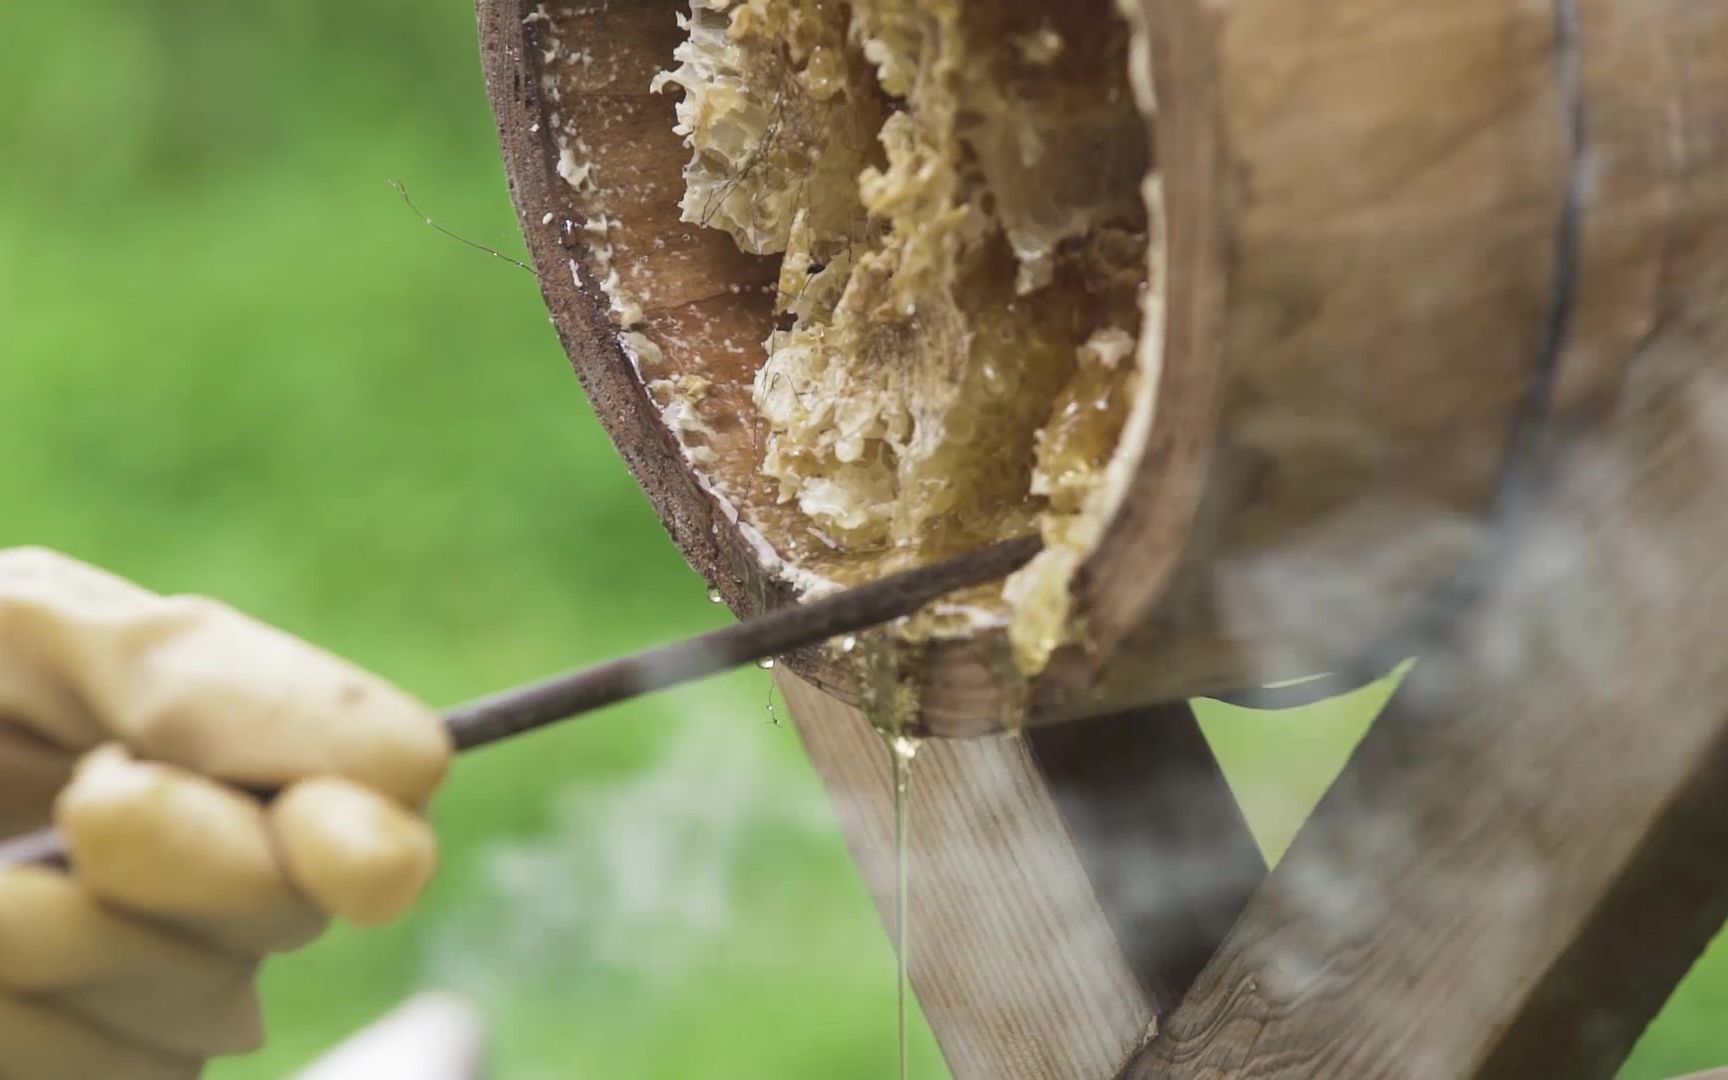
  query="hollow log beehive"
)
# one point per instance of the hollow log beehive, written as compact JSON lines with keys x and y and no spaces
{"x":1357,"y":242}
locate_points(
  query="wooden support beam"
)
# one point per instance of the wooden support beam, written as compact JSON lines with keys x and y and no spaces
{"x":1159,"y":833}
{"x":1526,"y":853}
{"x":1066,"y":886}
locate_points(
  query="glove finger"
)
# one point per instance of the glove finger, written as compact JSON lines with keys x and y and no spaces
{"x":354,"y":852}
{"x":281,"y":929}
{"x":212,"y":1022}
{"x":46,"y":603}
{"x":192,"y":682}
{"x":31,"y":771}
{"x":185,"y":680}
{"x":42,"y":1043}
{"x":169,"y":844}
{"x":159,"y":990}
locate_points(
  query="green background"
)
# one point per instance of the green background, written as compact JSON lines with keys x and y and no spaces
{"x":232,"y":362}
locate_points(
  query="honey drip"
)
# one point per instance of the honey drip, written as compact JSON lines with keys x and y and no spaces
{"x":891,"y":706}
{"x":903,"y":749}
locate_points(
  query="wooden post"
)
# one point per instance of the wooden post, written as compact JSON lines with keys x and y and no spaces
{"x":1064,"y":893}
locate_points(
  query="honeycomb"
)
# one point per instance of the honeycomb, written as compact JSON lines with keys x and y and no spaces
{"x":954,"y":188}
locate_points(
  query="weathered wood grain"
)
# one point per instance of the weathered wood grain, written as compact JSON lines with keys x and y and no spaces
{"x":1064,"y":892}
{"x":1523,"y":857}
{"x":1525,"y":854}
{"x":1388,"y":181}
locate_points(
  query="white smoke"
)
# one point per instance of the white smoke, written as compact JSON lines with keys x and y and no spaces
{"x":632,"y":874}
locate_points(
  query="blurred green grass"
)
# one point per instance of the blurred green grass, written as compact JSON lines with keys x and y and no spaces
{"x":231,"y":362}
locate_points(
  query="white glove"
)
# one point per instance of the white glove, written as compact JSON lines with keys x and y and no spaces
{"x":130,"y":720}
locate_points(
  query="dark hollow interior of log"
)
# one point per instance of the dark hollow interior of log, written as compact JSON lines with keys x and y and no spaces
{"x":879,"y":264}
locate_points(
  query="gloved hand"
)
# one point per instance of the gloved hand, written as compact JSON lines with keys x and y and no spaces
{"x":132,"y":720}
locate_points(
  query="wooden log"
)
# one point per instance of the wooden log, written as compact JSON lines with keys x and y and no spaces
{"x":1066,"y":885}
{"x":1360,"y":207}
{"x":1524,"y":856}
